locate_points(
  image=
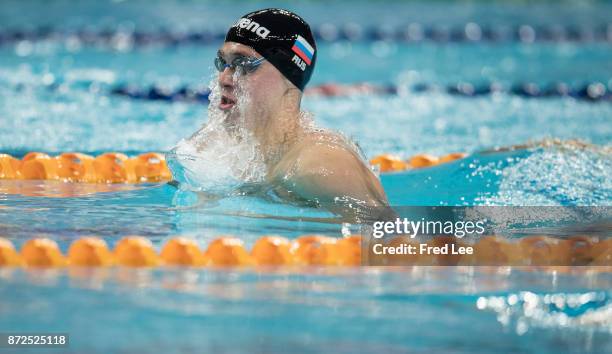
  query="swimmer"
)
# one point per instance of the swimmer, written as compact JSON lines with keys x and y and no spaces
{"x":268,"y":58}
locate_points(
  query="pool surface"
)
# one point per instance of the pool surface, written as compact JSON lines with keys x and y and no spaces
{"x":56,"y":96}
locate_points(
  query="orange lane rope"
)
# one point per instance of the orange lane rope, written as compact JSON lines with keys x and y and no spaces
{"x":137,"y":251}
{"x":307,"y":250}
{"x":392,"y":163}
{"x":113,"y":167}
{"x":109,"y":167}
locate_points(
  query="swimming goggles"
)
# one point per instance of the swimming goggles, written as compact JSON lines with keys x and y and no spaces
{"x":243,"y":63}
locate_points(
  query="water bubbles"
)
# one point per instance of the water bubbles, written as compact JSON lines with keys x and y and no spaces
{"x":481,"y":303}
{"x":346,"y":229}
{"x":526,"y":310}
{"x":521,"y":327}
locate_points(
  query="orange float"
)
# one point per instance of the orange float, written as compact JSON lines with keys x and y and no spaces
{"x":310,"y":250}
{"x":227,"y":251}
{"x":543,"y":251}
{"x":89,"y":252}
{"x":580,"y":249}
{"x":33,"y":155}
{"x":183,"y":252}
{"x":452,"y":157}
{"x":42,"y":252}
{"x":389,"y":163}
{"x":75,"y":167}
{"x":8,"y":255}
{"x":272,"y":250}
{"x":38,"y":165}
{"x":423,"y":160}
{"x":348,"y":251}
{"x":135,"y":251}
{"x":9,"y":167}
{"x":111,"y":168}
{"x":148,"y":167}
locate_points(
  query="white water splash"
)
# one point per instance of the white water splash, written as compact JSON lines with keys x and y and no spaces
{"x":223,"y":154}
{"x":566,"y":174}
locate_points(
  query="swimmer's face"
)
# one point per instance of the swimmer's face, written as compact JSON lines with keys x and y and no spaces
{"x":264,"y":87}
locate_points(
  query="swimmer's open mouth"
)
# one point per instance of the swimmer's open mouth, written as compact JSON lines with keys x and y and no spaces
{"x":226,"y":103}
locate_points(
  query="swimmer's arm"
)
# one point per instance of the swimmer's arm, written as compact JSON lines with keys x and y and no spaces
{"x":337,"y":179}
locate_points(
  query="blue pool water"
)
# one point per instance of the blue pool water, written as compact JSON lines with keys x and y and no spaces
{"x":54,"y":97}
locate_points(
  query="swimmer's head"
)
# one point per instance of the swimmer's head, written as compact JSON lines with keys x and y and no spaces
{"x":283,"y":38}
{"x":265,"y":63}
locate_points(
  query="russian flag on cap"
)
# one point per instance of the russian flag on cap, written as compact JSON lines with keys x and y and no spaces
{"x":303,"y":49}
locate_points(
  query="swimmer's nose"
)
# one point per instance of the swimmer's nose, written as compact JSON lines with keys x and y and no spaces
{"x":226,"y":79}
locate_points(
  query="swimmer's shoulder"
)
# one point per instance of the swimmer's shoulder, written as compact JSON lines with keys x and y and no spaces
{"x":317,"y":150}
{"x":326,"y":169}
{"x":322,"y":141}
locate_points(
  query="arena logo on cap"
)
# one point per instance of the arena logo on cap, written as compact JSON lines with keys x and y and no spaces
{"x":253,"y":27}
{"x":304,"y":50}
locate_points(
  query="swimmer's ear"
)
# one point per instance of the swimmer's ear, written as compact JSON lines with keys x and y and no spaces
{"x":292,"y":95}
{"x":289,"y":84}
{"x":291,"y":91}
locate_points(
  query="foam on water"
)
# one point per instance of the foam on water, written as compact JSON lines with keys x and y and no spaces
{"x":567,"y":173}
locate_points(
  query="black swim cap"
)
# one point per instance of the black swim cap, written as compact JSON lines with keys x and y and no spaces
{"x":283,"y":38}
